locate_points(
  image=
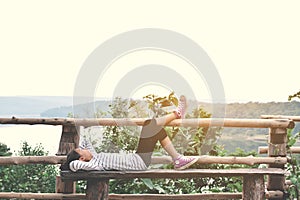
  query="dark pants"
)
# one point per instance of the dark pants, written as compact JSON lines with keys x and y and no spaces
{"x":151,"y":133}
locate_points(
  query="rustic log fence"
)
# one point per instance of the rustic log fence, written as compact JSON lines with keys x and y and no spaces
{"x":293,"y":150}
{"x":276,"y":160}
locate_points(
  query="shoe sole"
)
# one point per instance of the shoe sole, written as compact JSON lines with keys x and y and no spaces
{"x":187,"y":165}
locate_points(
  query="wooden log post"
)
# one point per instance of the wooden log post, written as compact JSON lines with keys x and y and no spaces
{"x":253,"y":187}
{"x":66,"y":187}
{"x":69,"y":140}
{"x":277,"y":147}
{"x":97,"y":189}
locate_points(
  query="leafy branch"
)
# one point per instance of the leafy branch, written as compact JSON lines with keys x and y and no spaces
{"x":293,"y":165}
{"x":296,"y":95}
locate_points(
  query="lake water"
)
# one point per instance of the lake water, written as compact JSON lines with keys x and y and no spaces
{"x":14,"y":135}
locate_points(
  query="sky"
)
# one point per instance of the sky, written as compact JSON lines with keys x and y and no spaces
{"x":254,"y":45}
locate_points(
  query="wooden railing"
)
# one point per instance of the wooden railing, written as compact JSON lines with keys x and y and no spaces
{"x":293,"y":150}
{"x":277,"y":153}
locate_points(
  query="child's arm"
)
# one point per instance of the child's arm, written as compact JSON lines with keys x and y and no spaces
{"x":87,"y":145}
{"x":81,"y":165}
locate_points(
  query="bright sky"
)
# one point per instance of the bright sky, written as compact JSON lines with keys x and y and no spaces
{"x":254,"y":44}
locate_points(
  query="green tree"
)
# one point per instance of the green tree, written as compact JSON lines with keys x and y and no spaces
{"x":296,"y":95}
{"x":28,"y":178}
{"x":156,"y":103}
{"x":119,"y":138}
{"x":4,"y":150}
{"x":293,"y":166}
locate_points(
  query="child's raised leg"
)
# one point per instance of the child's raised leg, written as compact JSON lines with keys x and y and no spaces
{"x":153,"y":131}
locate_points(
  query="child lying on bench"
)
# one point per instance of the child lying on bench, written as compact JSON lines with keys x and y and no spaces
{"x":86,"y":158}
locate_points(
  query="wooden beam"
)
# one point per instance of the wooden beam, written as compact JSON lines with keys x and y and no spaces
{"x":28,"y":195}
{"x":274,"y":194}
{"x":11,"y":195}
{"x":249,"y":160}
{"x":175,"y":196}
{"x":33,"y":121}
{"x":294,"y":118}
{"x":20,"y":160}
{"x":265,"y":149}
{"x":164,"y":173}
{"x":196,"y":122}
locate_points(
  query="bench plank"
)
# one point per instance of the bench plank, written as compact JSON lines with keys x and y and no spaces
{"x":165,"y":173}
{"x":175,"y":196}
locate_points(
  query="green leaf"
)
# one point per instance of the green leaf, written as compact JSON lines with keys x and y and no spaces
{"x":148,"y":182}
{"x":294,"y":180}
{"x":160,"y":189}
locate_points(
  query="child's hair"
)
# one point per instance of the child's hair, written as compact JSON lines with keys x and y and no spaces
{"x":72,"y":155}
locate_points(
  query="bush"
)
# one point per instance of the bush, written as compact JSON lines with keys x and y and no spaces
{"x":293,"y":167}
{"x":28,"y":178}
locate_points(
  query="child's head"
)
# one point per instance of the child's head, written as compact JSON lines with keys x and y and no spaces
{"x":85,"y":154}
{"x":76,"y":154}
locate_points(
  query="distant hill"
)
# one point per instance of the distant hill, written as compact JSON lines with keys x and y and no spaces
{"x":30,"y":105}
{"x":85,"y":110}
{"x":254,"y":110}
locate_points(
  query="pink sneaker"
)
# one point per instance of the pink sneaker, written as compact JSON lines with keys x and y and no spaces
{"x":180,"y":111}
{"x":183,"y":162}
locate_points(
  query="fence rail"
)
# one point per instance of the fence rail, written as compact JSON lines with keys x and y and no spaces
{"x":294,"y":118}
{"x":21,"y":160}
{"x":264,"y":150}
{"x":196,"y":122}
{"x":277,"y":125}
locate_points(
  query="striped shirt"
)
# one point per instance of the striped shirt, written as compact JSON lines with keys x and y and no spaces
{"x":108,"y":161}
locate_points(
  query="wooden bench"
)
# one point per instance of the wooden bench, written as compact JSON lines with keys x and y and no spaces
{"x":253,"y":180}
